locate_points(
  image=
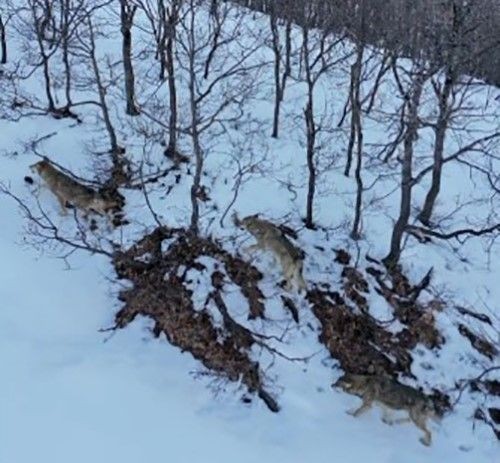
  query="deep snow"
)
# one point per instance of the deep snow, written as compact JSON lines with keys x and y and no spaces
{"x":71,"y":393}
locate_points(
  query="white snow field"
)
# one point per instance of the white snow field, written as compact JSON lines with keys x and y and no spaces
{"x":72,"y":393}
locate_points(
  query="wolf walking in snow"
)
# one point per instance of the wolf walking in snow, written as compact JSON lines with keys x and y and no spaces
{"x":393,"y":395}
{"x":69,"y":192}
{"x":270,"y":237}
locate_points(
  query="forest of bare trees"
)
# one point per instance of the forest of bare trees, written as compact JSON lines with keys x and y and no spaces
{"x":446,"y":42}
{"x":385,"y":105}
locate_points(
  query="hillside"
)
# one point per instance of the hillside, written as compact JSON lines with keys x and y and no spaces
{"x":153,"y":331}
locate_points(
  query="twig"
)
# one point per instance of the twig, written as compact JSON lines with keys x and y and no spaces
{"x":470,"y":381}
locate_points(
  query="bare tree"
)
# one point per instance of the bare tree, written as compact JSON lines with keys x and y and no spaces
{"x":41,"y":16}
{"x":65,"y":7}
{"x":450,"y":95}
{"x":3,"y":40}
{"x":86,"y":49}
{"x":127,"y":13}
{"x":163,"y":19}
{"x":172,"y":18}
{"x":357,"y":136}
{"x":356,"y":129}
{"x":71,"y":14}
{"x":50,"y":24}
{"x":410,"y":118}
{"x":217,"y":102}
{"x":280,"y":78}
{"x":47,"y":20}
{"x":317,"y":53}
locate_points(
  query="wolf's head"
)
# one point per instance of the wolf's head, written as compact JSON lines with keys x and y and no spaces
{"x":250,"y":222}
{"x":351,"y":383}
{"x":246,"y":222}
{"x":40,"y":166}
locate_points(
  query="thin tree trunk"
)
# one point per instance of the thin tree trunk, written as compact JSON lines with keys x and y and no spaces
{"x":3,"y":42}
{"x":352,"y":140}
{"x":215,"y":39}
{"x":196,"y":186}
{"x":47,"y":80}
{"x":47,"y":23}
{"x":456,"y":39}
{"x":172,"y":89}
{"x":115,"y":150}
{"x":392,"y":259}
{"x":430,"y":199}
{"x":162,"y":38}
{"x":127,"y":17}
{"x":310,"y":134}
{"x":278,"y":97}
{"x":213,"y":7}
{"x":353,"y":88}
{"x":356,"y":232}
{"x":311,"y":141}
{"x":65,"y":11}
{"x":39,"y":32}
{"x":358,"y":130}
{"x":280,"y":78}
{"x":288,"y":57}
{"x":440,"y":135}
{"x":195,"y":135}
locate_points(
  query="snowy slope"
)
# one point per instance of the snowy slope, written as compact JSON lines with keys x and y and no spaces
{"x":71,"y":393}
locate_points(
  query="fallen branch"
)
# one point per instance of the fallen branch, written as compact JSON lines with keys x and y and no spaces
{"x":468,"y":382}
{"x":454,"y":234}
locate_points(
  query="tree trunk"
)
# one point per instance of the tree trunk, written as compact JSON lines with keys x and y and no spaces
{"x":440,"y":135}
{"x":311,"y":141}
{"x":277,"y":70}
{"x":162,"y":38}
{"x":280,"y":78}
{"x":288,"y":56}
{"x":195,"y":135}
{"x":358,"y":131}
{"x":310,"y":132}
{"x":47,"y":80}
{"x":392,"y":259}
{"x":430,"y":200}
{"x":356,"y":232}
{"x":102,"y":97}
{"x":350,"y":145}
{"x":65,"y":14}
{"x":196,"y":186}
{"x":127,"y":18}
{"x":3,"y":42}
{"x":39,"y":32}
{"x":172,"y":89}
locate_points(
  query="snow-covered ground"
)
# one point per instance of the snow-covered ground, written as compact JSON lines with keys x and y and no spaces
{"x":69,"y":392}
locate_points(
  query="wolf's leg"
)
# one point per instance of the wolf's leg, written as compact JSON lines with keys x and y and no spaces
{"x":420,"y":422}
{"x":299,"y":279}
{"x":401,"y":420}
{"x":387,"y":418}
{"x":289,"y":275}
{"x":62,"y":203}
{"x":365,"y":406}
